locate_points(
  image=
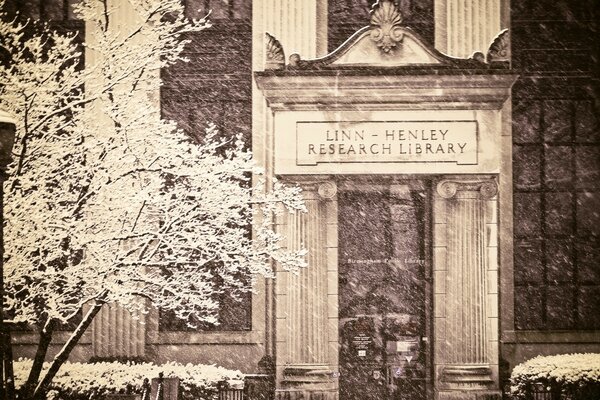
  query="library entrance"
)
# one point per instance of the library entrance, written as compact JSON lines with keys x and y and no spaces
{"x":401,"y":153}
{"x":384,"y":290}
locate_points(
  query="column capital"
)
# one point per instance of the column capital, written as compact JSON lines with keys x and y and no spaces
{"x":314,"y":188}
{"x":487,"y":187}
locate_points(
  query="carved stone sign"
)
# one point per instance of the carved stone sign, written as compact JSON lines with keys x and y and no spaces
{"x":453,"y":142}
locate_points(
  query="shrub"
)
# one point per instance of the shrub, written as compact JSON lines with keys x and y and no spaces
{"x":571,"y":375}
{"x":76,"y":381}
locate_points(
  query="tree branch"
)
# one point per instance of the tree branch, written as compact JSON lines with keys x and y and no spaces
{"x":38,"y":361}
{"x":64,"y":353}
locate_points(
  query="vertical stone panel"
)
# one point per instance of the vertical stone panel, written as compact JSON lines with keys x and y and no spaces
{"x":114,"y":332}
{"x":300,"y":26}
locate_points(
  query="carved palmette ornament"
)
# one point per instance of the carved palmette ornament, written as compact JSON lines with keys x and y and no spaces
{"x":500,"y":48}
{"x":275,"y":57}
{"x":385,"y":25}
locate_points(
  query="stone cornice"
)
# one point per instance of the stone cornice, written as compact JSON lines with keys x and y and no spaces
{"x":371,"y":90}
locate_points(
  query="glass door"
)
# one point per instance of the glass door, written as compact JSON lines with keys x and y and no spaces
{"x":384,"y":291}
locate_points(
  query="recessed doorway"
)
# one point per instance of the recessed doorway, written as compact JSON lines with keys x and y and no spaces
{"x":384,"y":290}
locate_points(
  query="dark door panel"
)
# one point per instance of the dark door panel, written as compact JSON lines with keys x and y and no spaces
{"x":384,"y":297}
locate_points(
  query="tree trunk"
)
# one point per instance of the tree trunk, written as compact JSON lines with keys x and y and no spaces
{"x":38,"y":361}
{"x":64,"y":353}
{"x":8,"y":384}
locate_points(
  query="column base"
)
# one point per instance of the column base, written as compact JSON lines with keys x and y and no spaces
{"x":307,"y":382}
{"x":468,"y":376}
{"x":288,"y":394}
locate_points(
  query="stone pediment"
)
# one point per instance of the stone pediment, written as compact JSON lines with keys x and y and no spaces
{"x":364,"y":50}
{"x":386,"y":43}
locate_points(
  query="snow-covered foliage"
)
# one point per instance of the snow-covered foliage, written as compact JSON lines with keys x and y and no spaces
{"x":569,"y":371}
{"x":110,"y":201}
{"x":95,"y":380}
{"x":107,"y":202}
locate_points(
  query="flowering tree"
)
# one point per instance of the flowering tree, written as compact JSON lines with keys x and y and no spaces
{"x":109,"y":203}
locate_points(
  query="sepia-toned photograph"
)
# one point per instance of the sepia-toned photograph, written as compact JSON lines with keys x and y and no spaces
{"x":299,"y":200}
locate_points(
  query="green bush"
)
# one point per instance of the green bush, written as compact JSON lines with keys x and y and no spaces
{"x":567,"y":376}
{"x":93,"y":381}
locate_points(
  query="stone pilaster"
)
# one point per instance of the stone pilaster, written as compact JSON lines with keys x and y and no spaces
{"x":303,"y":355}
{"x":307,"y":291}
{"x":301,"y":27}
{"x":466,"y":329}
{"x":116,"y":334}
{"x":463,"y":27}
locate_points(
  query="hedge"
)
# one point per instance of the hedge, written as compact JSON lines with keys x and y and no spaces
{"x":76,"y":381}
{"x":565,"y":375}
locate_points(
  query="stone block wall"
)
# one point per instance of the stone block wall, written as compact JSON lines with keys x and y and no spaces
{"x":555,"y":287}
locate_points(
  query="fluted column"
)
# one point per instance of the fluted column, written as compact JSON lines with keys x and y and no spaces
{"x":116,"y":334}
{"x":466,"y":358}
{"x":307,"y":289}
{"x":306,"y":301}
{"x":463,"y":27}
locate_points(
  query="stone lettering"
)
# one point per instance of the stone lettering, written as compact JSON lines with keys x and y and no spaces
{"x":399,"y":141}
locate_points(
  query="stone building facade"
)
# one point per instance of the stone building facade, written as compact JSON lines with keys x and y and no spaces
{"x":448,"y":152}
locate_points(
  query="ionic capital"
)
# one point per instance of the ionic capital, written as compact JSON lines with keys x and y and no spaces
{"x":448,"y":188}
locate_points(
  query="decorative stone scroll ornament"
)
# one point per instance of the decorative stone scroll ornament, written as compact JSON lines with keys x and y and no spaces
{"x":385,"y":25}
{"x":500,"y":48}
{"x":447,"y":189}
{"x":327,"y":190}
{"x":275,"y":57}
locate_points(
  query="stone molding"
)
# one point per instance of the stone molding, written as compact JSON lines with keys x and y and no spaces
{"x":469,"y":376}
{"x":345,"y":89}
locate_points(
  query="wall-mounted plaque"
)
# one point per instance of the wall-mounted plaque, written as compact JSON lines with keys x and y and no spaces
{"x":390,"y":141}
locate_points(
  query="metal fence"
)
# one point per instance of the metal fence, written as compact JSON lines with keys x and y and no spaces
{"x":255,"y":387}
{"x":539,"y":391}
